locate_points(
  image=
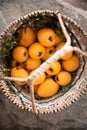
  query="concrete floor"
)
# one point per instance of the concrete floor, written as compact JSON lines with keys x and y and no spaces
{"x":76,"y":9}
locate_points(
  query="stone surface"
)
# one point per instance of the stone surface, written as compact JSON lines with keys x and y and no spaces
{"x":73,"y":117}
{"x":80,"y":4}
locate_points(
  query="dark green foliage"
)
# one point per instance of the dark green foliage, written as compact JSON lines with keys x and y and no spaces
{"x":5,"y":53}
{"x":43,"y":21}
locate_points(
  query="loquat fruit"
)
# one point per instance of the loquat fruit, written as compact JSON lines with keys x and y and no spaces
{"x":28,"y":37}
{"x":40,"y":79}
{"x":36,"y":51}
{"x":32,"y":64}
{"x":46,"y":37}
{"x":63,"y":78}
{"x":54,"y":68}
{"x":49,"y":52}
{"x":20,"y":54}
{"x":71,"y":64}
{"x":19,"y":73}
{"x":48,"y":88}
{"x":14,"y":63}
{"x":58,"y":40}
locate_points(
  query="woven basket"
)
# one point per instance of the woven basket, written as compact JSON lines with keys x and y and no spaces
{"x":67,"y":96}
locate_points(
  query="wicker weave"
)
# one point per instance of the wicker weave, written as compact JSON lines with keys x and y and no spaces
{"x":61,"y":100}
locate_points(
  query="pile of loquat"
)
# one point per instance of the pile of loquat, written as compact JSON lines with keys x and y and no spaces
{"x":35,"y":48}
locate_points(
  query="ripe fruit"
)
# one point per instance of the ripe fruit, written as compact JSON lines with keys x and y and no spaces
{"x":58,"y":40}
{"x":20,"y":54}
{"x":40,"y":79}
{"x":48,"y":88}
{"x":49,"y":52}
{"x":19,"y":73}
{"x":14,"y":63}
{"x":36,"y":51}
{"x":47,"y":37}
{"x":28,"y":37}
{"x":67,"y":55}
{"x":54,"y":68}
{"x":63,"y":78}
{"x":71,"y":64}
{"x":32,"y":64}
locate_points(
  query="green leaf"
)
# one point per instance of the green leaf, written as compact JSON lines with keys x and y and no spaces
{"x":5,"y":53}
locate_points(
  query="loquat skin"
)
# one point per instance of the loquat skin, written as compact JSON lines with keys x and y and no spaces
{"x":54,"y":68}
{"x":20,"y":54}
{"x":63,"y":78}
{"x":40,"y":79}
{"x":67,"y":55}
{"x":28,"y":37}
{"x":48,"y":88}
{"x":32,"y":64}
{"x":58,"y":40}
{"x":14,"y":63}
{"x":48,"y":52}
{"x":19,"y":73}
{"x":71,"y":64}
{"x":36,"y":51}
{"x":47,"y":37}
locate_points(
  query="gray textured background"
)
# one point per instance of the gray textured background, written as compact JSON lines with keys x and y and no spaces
{"x":73,"y":117}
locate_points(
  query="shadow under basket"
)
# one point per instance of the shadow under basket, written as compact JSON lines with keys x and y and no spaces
{"x":64,"y":97}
